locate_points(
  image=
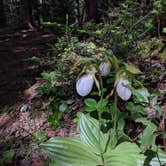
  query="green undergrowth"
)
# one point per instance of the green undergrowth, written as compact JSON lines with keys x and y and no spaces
{"x":112,"y":65}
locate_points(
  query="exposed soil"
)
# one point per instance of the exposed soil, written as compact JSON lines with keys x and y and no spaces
{"x":18,"y":83}
{"x":17,"y":73}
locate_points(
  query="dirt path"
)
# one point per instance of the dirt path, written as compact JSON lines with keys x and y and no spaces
{"x":16,"y":72}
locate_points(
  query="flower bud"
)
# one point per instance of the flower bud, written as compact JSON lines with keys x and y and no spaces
{"x":123,"y":92}
{"x":84,"y":85}
{"x":105,"y":68}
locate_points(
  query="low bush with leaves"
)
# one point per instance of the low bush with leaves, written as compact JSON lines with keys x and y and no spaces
{"x":103,"y":129}
{"x":121,"y":123}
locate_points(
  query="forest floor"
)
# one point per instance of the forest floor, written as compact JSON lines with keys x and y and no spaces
{"x":16,"y":69}
{"x":18,"y":81}
{"x":20,"y":76}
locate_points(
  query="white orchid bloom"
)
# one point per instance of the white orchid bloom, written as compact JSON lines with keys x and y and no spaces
{"x":85,"y":84}
{"x":105,"y":68}
{"x":123,"y":92}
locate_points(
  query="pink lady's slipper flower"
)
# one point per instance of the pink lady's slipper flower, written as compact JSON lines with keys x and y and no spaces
{"x":123,"y":92}
{"x":105,"y":68}
{"x":85,"y":84}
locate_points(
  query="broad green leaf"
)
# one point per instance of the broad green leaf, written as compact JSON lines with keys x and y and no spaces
{"x":137,"y":111}
{"x":145,"y":121}
{"x":147,"y":137}
{"x":117,"y":137}
{"x":91,"y":135}
{"x":132,"y":69}
{"x":102,"y":104}
{"x":91,"y":105}
{"x":142,"y":95}
{"x":125,"y":154}
{"x":90,"y":109}
{"x":70,"y":152}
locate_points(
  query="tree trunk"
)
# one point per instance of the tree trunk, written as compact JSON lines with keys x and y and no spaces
{"x":92,"y":10}
{"x":2,"y":14}
{"x":78,"y":15}
{"x":26,"y":12}
{"x":36,"y":5}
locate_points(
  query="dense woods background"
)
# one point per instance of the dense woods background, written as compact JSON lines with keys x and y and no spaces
{"x":19,"y":13}
{"x":91,"y":69}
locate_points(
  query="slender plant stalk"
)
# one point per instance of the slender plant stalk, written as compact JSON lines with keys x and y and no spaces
{"x":99,"y":116}
{"x":115,"y":120}
{"x":116,"y":111}
{"x":67,"y":29}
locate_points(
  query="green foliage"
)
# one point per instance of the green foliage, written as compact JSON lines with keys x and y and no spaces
{"x":58,"y":107}
{"x":136,"y":111}
{"x":39,"y":137}
{"x":103,"y":137}
{"x":55,"y":119}
{"x":142,"y":95}
{"x":7,"y":157}
{"x":89,"y":148}
{"x":93,"y":105}
{"x":106,"y":132}
{"x":147,"y":138}
{"x":59,"y":10}
{"x":92,"y":147}
{"x":95,"y":139}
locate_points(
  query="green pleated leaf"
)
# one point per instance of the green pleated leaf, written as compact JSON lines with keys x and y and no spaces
{"x":70,"y":151}
{"x":91,"y":135}
{"x":147,"y":138}
{"x":125,"y":154}
{"x":142,"y":95}
{"x":132,"y":68}
{"x":156,"y":161}
{"x":160,"y":159}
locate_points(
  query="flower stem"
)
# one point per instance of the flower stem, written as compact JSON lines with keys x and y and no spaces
{"x":116,"y":111}
{"x":99,"y":110}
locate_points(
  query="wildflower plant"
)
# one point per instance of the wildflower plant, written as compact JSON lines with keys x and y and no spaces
{"x":95,"y":145}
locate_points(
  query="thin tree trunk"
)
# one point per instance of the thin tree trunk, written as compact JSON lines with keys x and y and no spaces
{"x":2,"y":14}
{"x":36,"y":5}
{"x":91,"y":10}
{"x":26,"y":12}
{"x":78,"y":14}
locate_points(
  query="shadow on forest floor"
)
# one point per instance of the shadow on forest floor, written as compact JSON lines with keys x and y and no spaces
{"x":16,"y":70}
